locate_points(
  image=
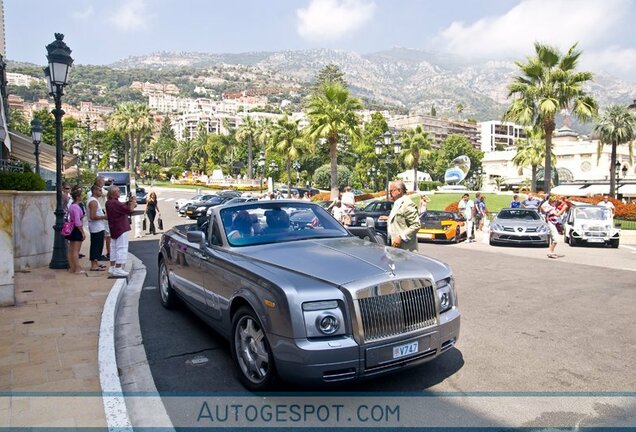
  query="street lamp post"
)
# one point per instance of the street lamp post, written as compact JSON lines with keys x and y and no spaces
{"x":36,"y":134}
{"x":77,"y":151}
{"x":386,"y":147}
{"x":296,"y":166}
{"x":261,"y":166}
{"x":56,"y":74}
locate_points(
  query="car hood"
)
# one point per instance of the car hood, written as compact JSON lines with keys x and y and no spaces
{"x":345,"y":260}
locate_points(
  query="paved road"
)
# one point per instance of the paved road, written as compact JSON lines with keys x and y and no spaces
{"x":529,"y":323}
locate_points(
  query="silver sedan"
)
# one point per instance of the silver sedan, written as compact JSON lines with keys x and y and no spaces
{"x":520,"y":227}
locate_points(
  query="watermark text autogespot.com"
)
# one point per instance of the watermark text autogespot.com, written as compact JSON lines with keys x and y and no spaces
{"x":298,"y":413}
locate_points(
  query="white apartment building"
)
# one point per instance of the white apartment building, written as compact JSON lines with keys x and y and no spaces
{"x":18,"y":79}
{"x":497,"y":135}
{"x":576,"y":160}
{"x":438,"y":128}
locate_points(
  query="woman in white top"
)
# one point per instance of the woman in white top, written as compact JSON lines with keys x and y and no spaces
{"x":97,"y":227}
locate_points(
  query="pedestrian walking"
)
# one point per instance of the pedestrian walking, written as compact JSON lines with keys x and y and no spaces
{"x":152,"y":210}
{"x":119,"y":225}
{"x":552,"y":218}
{"x":97,"y":221}
{"x":404,"y":220}
{"x":424,"y":200}
{"x":348,"y":202}
{"x":467,"y":210}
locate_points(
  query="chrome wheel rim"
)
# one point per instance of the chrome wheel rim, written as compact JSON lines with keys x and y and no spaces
{"x":163,"y":282}
{"x":251,"y":350}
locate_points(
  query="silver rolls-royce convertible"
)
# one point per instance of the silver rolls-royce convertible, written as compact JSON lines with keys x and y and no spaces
{"x":301,"y":298}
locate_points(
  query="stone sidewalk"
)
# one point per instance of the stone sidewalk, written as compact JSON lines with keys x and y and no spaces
{"x":49,"y":344}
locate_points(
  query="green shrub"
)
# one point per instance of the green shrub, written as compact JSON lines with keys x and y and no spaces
{"x":428,"y":185}
{"x":322,"y":176}
{"x":21,"y":181}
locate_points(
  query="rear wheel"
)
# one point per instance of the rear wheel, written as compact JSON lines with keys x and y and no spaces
{"x":168,"y":295}
{"x":251,"y":352}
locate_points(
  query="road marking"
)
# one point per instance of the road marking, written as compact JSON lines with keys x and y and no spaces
{"x":169,"y":199}
{"x":630,"y":247}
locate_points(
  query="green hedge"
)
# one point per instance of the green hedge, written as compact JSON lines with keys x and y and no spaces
{"x":21,"y":181}
{"x":428,"y":185}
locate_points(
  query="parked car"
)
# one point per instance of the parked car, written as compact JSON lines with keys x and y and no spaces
{"x":198,"y":209}
{"x":590,"y":224}
{"x":374,"y":210}
{"x":182,"y":202}
{"x":441,"y":226}
{"x":520,"y":227}
{"x":141,"y":195}
{"x":353,"y":310}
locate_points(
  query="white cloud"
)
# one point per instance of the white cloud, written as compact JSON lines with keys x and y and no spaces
{"x":614,"y":60}
{"x":324,"y":20}
{"x":86,"y":13}
{"x":132,"y":15}
{"x":556,"y":22}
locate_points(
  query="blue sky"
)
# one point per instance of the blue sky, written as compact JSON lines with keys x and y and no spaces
{"x":104,"y":31}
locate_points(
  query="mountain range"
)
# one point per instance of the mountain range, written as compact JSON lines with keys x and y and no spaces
{"x":410,"y":79}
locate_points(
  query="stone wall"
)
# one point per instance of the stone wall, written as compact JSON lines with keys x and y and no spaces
{"x":26,"y":235}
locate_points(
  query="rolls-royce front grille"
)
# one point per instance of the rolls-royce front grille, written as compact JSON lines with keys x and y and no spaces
{"x":394,"y":314}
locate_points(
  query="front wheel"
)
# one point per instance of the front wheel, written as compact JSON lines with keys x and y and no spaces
{"x":251,"y":352}
{"x":573,"y":242}
{"x":614,"y":243}
{"x":168,"y":295}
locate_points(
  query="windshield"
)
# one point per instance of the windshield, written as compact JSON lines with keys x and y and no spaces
{"x":214,"y":200}
{"x":263,"y":222}
{"x":518,"y":215}
{"x":593,"y":213}
{"x":437,"y":216}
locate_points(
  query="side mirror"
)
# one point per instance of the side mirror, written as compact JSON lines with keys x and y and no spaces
{"x":370,"y":222}
{"x":196,"y":237}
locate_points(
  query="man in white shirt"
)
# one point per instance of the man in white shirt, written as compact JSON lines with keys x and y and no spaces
{"x":607,"y":204}
{"x":467,"y":209}
{"x":404,"y":220}
{"x":348,"y":202}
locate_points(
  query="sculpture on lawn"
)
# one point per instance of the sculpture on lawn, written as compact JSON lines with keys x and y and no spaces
{"x":457,"y":170}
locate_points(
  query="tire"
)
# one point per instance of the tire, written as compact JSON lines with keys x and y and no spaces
{"x":614,"y":243}
{"x":573,"y":242}
{"x":458,"y":236}
{"x":491,"y":242}
{"x":168,"y":295}
{"x":251,"y":351}
{"x":380,"y":239}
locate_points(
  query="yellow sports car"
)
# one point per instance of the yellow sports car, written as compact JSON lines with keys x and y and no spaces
{"x":441,"y":226}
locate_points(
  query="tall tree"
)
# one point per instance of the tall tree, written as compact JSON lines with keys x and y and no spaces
{"x":165,"y":145}
{"x":288,"y":142}
{"x":331,"y":112}
{"x":330,"y":74}
{"x":549,"y":83}
{"x":247,"y":132}
{"x":417,"y":144}
{"x":135,"y":122}
{"x":531,"y":151}
{"x":617,"y":126}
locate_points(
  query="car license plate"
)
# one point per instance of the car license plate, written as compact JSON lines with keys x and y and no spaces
{"x":189,"y":212}
{"x":404,"y":350}
{"x":595,"y":240}
{"x":426,"y":236}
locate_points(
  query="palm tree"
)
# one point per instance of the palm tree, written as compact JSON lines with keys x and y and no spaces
{"x":247,"y":132}
{"x":287,"y":141}
{"x":331,"y":112}
{"x":531,"y":152}
{"x":417,"y":145}
{"x":549,"y":83}
{"x":616,"y":127}
{"x":135,"y":122}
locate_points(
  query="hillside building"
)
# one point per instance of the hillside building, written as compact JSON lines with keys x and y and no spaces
{"x":18,"y":79}
{"x":497,"y":135}
{"x":438,"y":128}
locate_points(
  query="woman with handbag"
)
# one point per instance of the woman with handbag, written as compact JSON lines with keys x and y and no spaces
{"x":76,"y":236}
{"x":151,"y":211}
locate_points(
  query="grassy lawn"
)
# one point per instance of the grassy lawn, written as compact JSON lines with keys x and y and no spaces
{"x":494,"y":202}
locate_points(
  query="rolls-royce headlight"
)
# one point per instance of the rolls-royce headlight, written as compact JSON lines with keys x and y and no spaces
{"x":446,"y":293}
{"x":323,"y":318}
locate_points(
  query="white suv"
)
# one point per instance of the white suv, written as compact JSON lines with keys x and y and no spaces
{"x":590,"y":224}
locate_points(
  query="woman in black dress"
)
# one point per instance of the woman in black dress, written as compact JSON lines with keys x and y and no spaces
{"x":151,"y":211}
